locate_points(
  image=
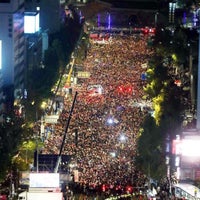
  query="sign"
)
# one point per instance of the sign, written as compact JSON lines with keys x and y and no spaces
{"x":51,"y":119}
{"x":144,"y":65}
{"x":83,"y":74}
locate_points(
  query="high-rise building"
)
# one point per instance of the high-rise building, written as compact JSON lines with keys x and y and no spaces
{"x":50,"y":13}
{"x":12,"y":45}
{"x":24,"y":29}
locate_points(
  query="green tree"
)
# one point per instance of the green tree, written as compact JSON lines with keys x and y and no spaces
{"x":10,"y":136}
{"x":150,"y":150}
{"x":166,"y":99}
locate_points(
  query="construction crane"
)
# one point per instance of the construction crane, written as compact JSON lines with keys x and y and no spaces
{"x":65,"y":135}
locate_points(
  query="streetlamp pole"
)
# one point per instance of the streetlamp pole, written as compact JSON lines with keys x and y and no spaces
{"x":198,"y":85}
{"x":156,"y":19}
{"x":37,"y":156}
{"x":196,"y":25}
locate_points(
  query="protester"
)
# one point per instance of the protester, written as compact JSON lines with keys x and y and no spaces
{"x":105,"y":126}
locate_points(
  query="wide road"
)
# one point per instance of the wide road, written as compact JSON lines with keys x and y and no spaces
{"x":106,"y":122}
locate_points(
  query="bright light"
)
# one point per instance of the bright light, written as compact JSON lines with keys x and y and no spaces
{"x":174,"y":57}
{"x":0,"y":54}
{"x":190,"y":148}
{"x":95,"y":90}
{"x":31,"y":22}
{"x":113,"y":154}
{"x":100,"y":90}
{"x":43,"y":105}
{"x":122,"y":138}
{"x":44,"y":180}
{"x":177,"y":161}
{"x":178,"y":173}
{"x":110,"y":121}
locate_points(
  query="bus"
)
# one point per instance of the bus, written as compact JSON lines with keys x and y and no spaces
{"x":186,"y":191}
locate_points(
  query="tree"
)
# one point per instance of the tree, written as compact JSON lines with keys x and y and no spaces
{"x":150,"y":150}
{"x":10,"y":136}
{"x":167,"y":102}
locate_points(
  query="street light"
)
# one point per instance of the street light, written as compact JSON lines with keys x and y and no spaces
{"x":122,"y":138}
{"x":156,"y":19}
{"x":198,"y":85}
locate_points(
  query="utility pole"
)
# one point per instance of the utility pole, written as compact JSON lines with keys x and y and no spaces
{"x":65,"y":134}
{"x":196,"y":24}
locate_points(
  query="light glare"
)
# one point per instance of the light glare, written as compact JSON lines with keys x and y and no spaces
{"x":31,"y":23}
{"x":190,"y":148}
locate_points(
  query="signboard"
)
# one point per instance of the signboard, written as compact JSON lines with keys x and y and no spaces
{"x":31,"y":22}
{"x":144,"y":65}
{"x":51,"y":119}
{"x":83,"y":74}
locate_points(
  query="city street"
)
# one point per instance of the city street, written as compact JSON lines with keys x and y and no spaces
{"x":105,"y":123}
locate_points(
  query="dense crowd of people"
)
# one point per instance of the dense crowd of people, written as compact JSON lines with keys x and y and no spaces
{"x":101,"y":155}
{"x":105,"y":124}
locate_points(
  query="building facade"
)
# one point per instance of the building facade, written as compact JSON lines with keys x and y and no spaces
{"x":49,"y":13}
{"x":12,"y":58}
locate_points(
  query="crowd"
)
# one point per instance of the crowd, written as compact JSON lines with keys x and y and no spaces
{"x":105,"y":126}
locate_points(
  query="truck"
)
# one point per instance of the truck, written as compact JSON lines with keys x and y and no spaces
{"x":42,"y":186}
{"x":45,"y":195}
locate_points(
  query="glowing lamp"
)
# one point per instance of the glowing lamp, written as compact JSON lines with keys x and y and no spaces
{"x":31,"y":22}
{"x":110,"y":121}
{"x":122,"y":138}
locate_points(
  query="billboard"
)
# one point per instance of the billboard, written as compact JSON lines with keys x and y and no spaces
{"x":31,"y":22}
{"x":51,"y":119}
{"x":188,"y":146}
{"x":83,"y":74}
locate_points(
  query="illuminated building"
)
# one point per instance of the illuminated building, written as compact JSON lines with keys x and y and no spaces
{"x":186,"y":151}
{"x":12,"y":42}
{"x":12,"y":48}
